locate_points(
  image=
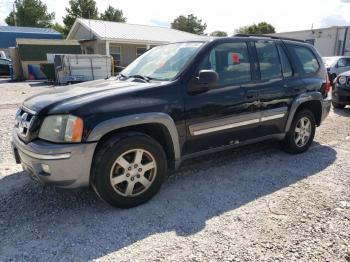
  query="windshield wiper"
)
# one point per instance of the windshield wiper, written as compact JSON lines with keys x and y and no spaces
{"x":146,"y":78}
{"x":123,"y":76}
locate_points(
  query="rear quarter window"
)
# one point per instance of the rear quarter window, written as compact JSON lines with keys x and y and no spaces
{"x":305,"y":58}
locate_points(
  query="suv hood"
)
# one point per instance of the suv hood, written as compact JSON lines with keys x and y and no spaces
{"x":347,"y":73}
{"x":63,"y":99}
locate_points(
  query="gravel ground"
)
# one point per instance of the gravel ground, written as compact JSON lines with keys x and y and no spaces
{"x":253,"y":203}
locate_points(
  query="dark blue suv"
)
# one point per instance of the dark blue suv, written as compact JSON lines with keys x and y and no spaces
{"x":176,"y":101}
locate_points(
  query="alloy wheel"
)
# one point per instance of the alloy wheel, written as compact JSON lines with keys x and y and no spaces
{"x":302,"y":132}
{"x":133,"y":172}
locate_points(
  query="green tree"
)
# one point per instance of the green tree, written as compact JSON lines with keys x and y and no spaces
{"x":59,"y":28}
{"x":189,"y":24}
{"x":219,"y":33}
{"x":79,"y":8}
{"x":256,"y":29}
{"x":112,"y":14}
{"x":30,"y":13}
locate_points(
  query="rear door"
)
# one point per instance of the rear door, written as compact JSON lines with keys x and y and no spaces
{"x":277,"y":86}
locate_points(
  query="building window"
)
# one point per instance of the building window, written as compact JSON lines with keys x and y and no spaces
{"x":115,"y":52}
{"x":140,"y":51}
{"x":89,"y":50}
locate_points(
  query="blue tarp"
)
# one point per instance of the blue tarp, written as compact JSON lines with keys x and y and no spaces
{"x":9,"y":34}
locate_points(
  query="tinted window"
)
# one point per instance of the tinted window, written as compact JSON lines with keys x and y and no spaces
{"x":270,"y":67}
{"x":230,"y":61}
{"x":286,"y":66}
{"x":306,"y":58}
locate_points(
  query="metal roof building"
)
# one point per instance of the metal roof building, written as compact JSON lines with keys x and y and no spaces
{"x":9,"y":34}
{"x":123,"y":41}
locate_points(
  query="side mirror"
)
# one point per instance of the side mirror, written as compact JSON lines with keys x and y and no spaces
{"x":206,"y":79}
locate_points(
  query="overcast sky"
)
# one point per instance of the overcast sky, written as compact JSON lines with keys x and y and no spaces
{"x":226,"y":15}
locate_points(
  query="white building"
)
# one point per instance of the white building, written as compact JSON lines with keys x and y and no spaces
{"x":123,"y":41}
{"x":331,"y":41}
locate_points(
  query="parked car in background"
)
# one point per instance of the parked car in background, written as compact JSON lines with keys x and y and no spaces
{"x":3,"y":54}
{"x":341,"y":90}
{"x":175,"y":102}
{"x":336,"y":65}
{"x":5,"y":67}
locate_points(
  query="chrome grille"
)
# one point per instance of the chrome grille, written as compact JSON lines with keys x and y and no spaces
{"x":348,"y":81}
{"x":24,"y":121}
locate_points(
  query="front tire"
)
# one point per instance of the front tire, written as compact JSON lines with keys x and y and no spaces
{"x":128,"y":169}
{"x":301,"y":133}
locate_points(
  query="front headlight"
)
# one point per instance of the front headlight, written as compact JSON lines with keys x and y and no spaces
{"x":62,"y":129}
{"x":342,"y":80}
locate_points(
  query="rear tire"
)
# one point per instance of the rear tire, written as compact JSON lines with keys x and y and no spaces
{"x":128,"y":169}
{"x":301,"y":133}
{"x":338,"y":106}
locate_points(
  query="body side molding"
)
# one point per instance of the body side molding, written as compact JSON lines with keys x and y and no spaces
{"x":237,"y":121}
{"x":138,"y":119}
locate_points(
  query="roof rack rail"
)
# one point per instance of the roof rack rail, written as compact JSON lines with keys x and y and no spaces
{"x":270,"y":36}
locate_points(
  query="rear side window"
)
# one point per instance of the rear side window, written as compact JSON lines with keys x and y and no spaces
{"x":269,"y":62}
{"x":286,"y":66}
{"x":306,"y":58}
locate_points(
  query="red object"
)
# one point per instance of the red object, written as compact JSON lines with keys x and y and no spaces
{"x":160,"y":64}
{"x":235,"y":58}
{"x":328,"y":85}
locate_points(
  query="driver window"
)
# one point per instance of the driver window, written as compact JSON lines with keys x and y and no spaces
{"x":230,"y":61}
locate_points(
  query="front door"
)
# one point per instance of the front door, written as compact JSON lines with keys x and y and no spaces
{"x":226,"y":114}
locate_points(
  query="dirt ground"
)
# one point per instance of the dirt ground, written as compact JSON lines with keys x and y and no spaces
{"x":249,"y":204}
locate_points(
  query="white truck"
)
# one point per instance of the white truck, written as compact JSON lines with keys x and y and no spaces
{"x":72,"y":68}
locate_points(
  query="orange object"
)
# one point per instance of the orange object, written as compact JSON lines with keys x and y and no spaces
{"x":77,"y":130}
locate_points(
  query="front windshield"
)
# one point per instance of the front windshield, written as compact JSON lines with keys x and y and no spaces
{"x":329,"y":61}
{"x":162,"y":62}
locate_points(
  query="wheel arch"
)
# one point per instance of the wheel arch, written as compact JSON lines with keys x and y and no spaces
{"x":159,"y":126}
{"x":310,"y":101}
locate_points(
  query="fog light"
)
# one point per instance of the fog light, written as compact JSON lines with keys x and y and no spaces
{"x":45,"y":168}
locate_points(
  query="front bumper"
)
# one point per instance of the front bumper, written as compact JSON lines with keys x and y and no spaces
{"x":62,"y":165}
{"x":341,"y":95}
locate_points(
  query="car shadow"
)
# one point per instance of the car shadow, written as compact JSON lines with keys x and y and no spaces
{"x":66,"y":223}
{"x":342,"y":112}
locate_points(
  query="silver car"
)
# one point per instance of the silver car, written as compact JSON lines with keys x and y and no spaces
{"x":336,"y":65}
